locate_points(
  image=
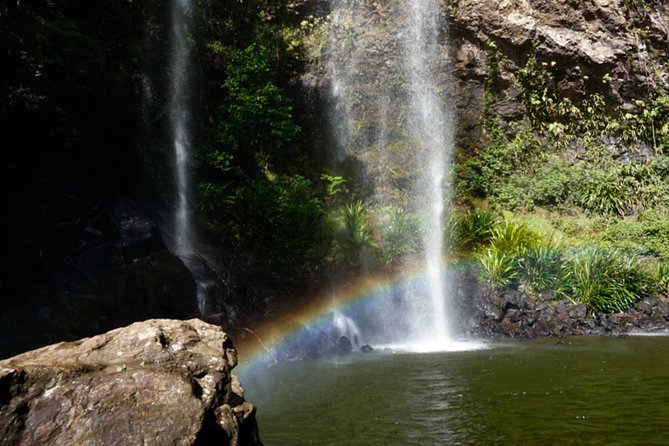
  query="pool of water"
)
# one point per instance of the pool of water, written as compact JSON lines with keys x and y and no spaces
{"x":594,"y":391}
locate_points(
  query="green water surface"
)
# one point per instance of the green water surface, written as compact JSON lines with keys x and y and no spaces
{"x":586,"y":391}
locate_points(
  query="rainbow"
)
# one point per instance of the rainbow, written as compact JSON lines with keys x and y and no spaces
{"x":292,"y":325}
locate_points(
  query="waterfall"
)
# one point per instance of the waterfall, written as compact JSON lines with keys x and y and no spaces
{"x":179,"y":122}
{"x":387,"y":66}
{"x":432,"y":130}
{"x":183,"y":242}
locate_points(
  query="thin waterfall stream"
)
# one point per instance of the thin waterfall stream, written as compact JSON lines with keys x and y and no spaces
{"x":179,"y":114}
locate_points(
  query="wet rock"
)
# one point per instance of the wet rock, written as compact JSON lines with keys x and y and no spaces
{"x":522,"y":316}
{"x":160,"y":382}
{"x":578,"y":312}
{"x":344,"y":346}
{"x":111,"y":270}
{"x":366,"y":349}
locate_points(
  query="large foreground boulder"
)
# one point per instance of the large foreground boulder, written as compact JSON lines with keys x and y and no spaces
{"x":159,"y":382}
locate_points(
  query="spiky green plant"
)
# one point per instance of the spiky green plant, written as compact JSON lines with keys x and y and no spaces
{"x":453,"y":238}
{"x":661,"y":276}
{"x":400,"y":234}
{"x":499,"y":269}
{"x":356,"y":229}
{"x":542,"y":269}
{"x":473,"y":229}
{"x":607,"y":281}
{"x":513,"y":237}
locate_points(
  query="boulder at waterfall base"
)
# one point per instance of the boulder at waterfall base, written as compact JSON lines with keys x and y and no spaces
{"x":158,"y":382}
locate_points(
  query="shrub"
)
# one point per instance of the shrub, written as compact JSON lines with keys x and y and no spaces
{"x":647,"y":233}
{"x":256,"y":124}
{"x":472,"y":230}
{"x":607,"y":281}
{"x":661,"y":275}
{"x":453,"y":235}
{"x":605,"y":192}
{"x":552,"y":185}
{"x":514,"y":238}
{"x":355,"y":238}
{"x":499,"y":269}
{"x":542,"y":269}
{"x":279,"y":222}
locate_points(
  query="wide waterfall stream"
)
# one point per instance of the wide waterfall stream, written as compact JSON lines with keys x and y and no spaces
{"x":404,"y":97}
{"x":590,"y":391}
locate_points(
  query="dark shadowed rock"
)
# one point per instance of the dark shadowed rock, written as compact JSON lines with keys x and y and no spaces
{"x":344,"y":346}
{"x":137,"y":234}
{"x":366,"y":349}
{"x":159,"y":382}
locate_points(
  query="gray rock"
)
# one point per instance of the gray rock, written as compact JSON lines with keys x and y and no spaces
{"x":159,"y":382}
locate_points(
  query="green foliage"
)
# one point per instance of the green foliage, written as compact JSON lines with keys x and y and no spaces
{"x":552,"y":185}
{"x":354,"y":240}
{"x":315,"y":36}
{"x":605,"y":193}
{"x":495,"y":170}
{"x":335,"y":184}
{"x":607,"y":281}
{"x":512,"y":238}
{"x":499,"y":268}
{"x":646,"y":233}
{"x":279,"y":222}
{"x":536,"y":82}
{"x":542,"y":269}
{"x":490,"y":124}
{"x":622,"y":188}
{"x":256,"y":125}
{"x":400,"y":235}
{"x":604,"y":280}
{"x":661,"y":276}
{"x":473,"y":229}
{"x":357,"y":234}
{"x":651,"y":123}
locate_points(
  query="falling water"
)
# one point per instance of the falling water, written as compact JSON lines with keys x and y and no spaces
{"x":179,"y":122}
{"x":183,"y":243}
{"x":431,"y":130}
{"x":386,"y":63}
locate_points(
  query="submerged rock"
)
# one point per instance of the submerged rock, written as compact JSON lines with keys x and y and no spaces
{"x":159,"y":382}
{"x":366,"y":349}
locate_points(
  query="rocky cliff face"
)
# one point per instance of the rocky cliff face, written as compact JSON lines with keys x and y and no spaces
{"x":617,"y":48}
{"x":159,"y":382}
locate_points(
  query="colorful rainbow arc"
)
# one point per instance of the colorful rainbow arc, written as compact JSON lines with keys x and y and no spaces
{"x":259,"y":347}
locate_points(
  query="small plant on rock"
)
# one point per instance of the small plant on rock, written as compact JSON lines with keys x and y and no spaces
{"x":661,"y":275}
